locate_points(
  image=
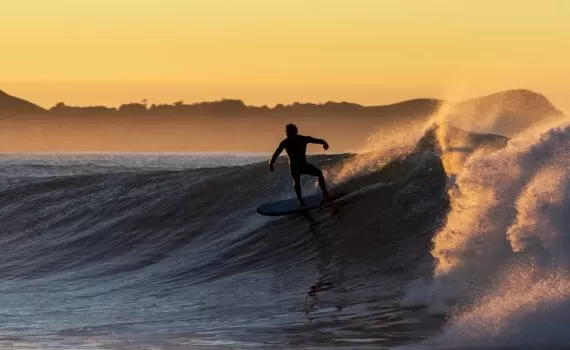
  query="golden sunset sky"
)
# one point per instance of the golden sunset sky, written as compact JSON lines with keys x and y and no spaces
{"x":90,"y":52}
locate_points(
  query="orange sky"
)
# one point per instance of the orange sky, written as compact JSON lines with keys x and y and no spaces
{"x":265,"y":52}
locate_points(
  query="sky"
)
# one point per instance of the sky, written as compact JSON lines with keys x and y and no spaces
{"x":107,"y":52}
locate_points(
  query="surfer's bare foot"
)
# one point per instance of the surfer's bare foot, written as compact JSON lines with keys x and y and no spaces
{"x":327,"y":197}
{"x":301,"y":202}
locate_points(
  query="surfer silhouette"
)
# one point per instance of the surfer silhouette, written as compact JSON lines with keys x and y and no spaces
{"x":296,"y":147}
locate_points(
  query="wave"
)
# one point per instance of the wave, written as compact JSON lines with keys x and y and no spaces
{"x":500,"y":261}
{"x":113,"y":222}
{"x":475,"y":221}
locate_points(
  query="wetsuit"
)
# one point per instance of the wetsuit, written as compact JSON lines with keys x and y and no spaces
{"x":296,"y":148}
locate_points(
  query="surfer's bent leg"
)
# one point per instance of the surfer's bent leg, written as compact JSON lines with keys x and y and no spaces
{"x":310,"y":169}
{"x":297,"y":186}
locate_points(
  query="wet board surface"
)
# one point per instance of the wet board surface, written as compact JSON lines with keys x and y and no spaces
{"x":290,"y":206}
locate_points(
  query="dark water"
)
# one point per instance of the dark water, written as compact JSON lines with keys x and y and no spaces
{"x":139,"y":252}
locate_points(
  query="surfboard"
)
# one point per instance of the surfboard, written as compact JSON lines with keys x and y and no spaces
{"x":290,"y":205}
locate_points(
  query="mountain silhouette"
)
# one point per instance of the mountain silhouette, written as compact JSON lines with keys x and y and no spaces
{"x":231,"y":125}
{"x":501,"y":113}
{"x":505,"y":113}
{"x":10,"y":105}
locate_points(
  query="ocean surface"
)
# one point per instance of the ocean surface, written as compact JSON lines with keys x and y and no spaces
{"x":165,"y":251}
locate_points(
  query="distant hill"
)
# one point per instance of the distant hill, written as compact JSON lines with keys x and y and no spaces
{"x":233,"y":125}
{"x":504,"y":113}
{"x":410,"y":109}
{"x":13,"y":105}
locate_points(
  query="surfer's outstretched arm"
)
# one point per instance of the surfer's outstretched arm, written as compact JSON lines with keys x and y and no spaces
{"x":318,"y":141}
{"x":275,"y":155}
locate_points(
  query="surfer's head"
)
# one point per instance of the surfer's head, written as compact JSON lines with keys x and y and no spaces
{"x":291,"y":130}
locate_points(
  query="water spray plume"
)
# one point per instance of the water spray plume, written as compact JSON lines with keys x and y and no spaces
{"x":520,"y":319}
{"x":382,"y":147}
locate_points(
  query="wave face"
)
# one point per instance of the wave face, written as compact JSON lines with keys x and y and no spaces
{"x":449,"y":240}
{"x":500,"y":262}
{"x":169,"y":253}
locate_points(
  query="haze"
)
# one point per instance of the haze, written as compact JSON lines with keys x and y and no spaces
{"x":268,"y":52}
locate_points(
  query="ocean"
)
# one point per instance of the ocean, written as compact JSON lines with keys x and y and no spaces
{"x":167,"y":251}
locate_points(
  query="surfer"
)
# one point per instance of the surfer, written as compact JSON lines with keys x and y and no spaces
{"x":296,"y":147}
